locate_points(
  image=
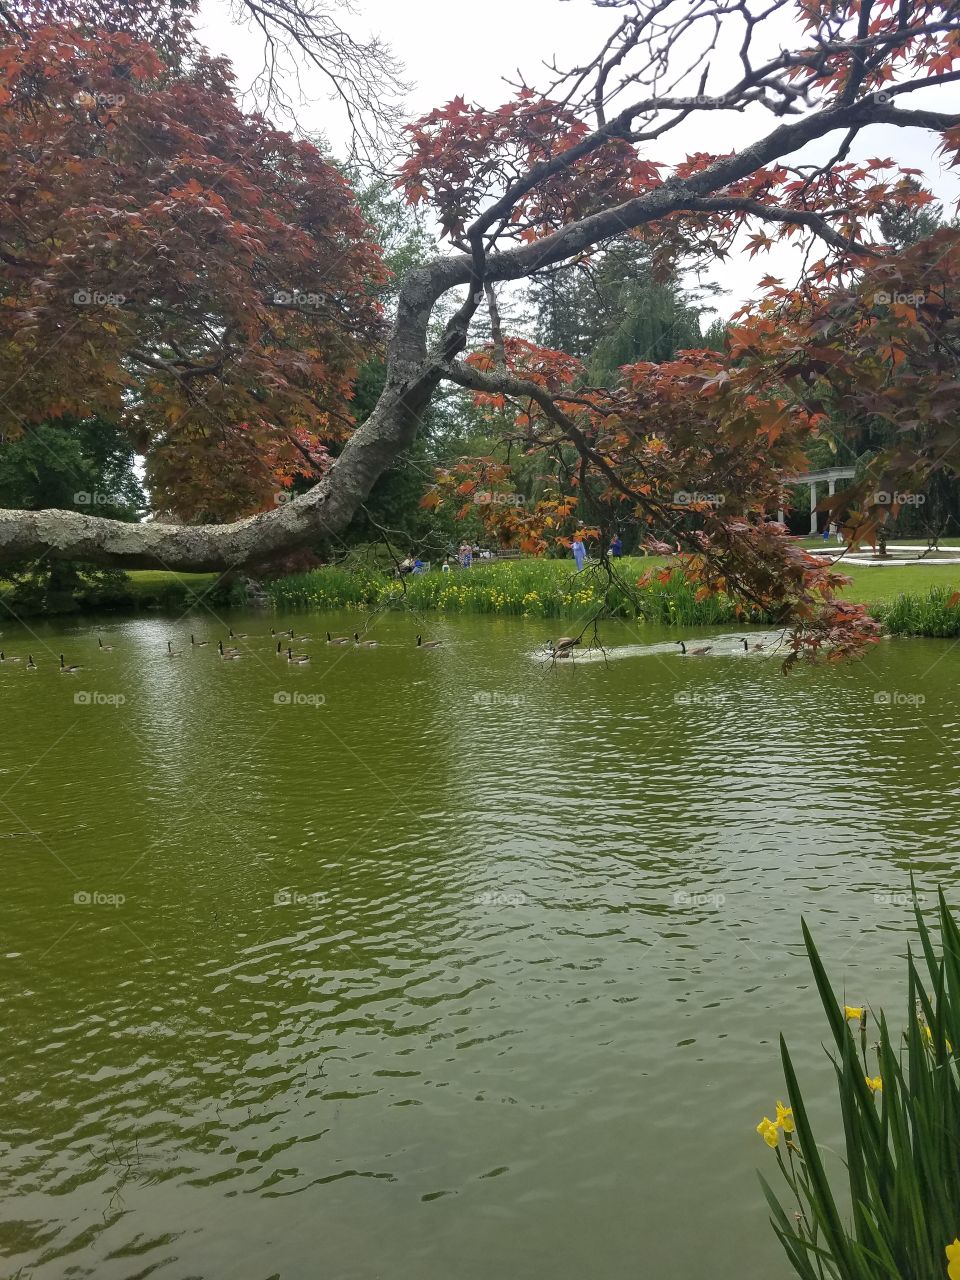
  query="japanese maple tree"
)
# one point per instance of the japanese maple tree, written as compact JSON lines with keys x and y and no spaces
{"x":176,"y":266}
{"x":555,"y":174}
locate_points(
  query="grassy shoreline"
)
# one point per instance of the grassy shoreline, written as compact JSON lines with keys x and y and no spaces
{"x":909,"y":600}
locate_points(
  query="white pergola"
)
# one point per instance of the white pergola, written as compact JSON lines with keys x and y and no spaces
{"x":829,"y":477}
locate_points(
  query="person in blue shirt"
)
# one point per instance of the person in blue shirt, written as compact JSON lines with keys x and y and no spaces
{"x":616,"y":546}
{"x":579,"y":551}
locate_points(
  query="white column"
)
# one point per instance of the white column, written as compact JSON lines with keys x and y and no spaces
{"x":780,"y":516}
{"x":813,"y":507}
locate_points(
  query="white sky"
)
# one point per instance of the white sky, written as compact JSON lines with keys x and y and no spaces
{"x":446,"y":53}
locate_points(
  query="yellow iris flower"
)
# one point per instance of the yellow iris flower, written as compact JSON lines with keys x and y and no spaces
{"x":953,"y":1260}
{"x":784,"y":1117}
{"x":768,"y":1131}
{"x":876,"y":1084}
{"x":853,"y":1011}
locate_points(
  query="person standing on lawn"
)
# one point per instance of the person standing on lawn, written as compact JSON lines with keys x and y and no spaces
{"x":579,"y":550}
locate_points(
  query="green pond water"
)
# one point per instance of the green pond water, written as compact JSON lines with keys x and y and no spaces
{"x":428,"y":964}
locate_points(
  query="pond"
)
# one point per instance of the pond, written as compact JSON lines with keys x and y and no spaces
{"x":418,"y":964}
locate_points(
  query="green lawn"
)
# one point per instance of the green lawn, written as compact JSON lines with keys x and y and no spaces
{"x":151,"y":582}
{"x":880,"y":585}
{"x":871,"y":585}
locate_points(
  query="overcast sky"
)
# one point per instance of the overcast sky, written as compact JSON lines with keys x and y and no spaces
{"x":445,"y":54}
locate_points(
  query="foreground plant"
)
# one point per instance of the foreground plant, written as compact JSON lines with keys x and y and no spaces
{"x":900,"y":1104}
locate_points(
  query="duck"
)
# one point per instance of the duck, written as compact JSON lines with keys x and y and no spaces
{"x":65,"y":670}
{"x":31,"y":665}
{"x":430,"y":644}
{"x":7,"y":657}
{"x":694,"y":652}
{"x":104,"y":648}
{"x":298,"y":659}
{"x":197,"y":644}
{"x":229,"y":655}
{"x":170,"y":651}
{"x":565,"y":642}
{"x":364,"y":644}
{"x":337,"y":639}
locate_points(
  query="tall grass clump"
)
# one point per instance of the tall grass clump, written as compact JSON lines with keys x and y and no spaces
{"x":525,"y":588}
{"x":899,"y":1099}
{"x":921,"y":615}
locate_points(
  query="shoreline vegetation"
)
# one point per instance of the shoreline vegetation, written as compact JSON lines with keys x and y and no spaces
{"x":910,"y":600}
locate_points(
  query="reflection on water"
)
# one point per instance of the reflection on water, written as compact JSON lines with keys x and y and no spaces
{"x":430,"y":963}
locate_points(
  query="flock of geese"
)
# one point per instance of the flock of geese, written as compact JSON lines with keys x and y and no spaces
{"x":707,"y":648}
{"x":229,"y":652}
{"x":564,"y":647}
{"x":560,"y":648}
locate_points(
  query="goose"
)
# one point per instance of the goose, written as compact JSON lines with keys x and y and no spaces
{"x":279,"y":649}
{"x":104,"y":648}
{"x":65,"y":670}
{"x":7,"y":657}
{"x":337,"y":639}
{"x":746,"y":645}
{"x":363,"y":644}
{"x":565,"y":642}
{"x":562,"y":653}
{"x":170,"y":651}
{"x":228,"y":655}
{"x":298,"y":659}
{"x":231,"y":636}
{"x":430,"y":644}
{"x":31,"y":665}
{"x":694,"y":652}
{"x":197,"y":644}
